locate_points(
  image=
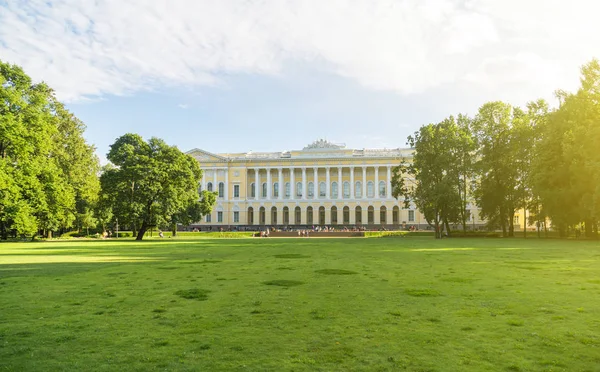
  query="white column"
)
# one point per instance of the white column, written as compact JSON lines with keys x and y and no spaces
{"x":303,"y":182}
{"x":327,"y":183}
{"x":388,"y":189}
{"x":292,"y":186}
{"x":269,"y":185}
{"x":377,"y":181}
{"x":281,"y":185}
{"x":203,"y":179}
{"x":317,"y":193}
{"x":340,"y":188}
{"x":226,"y":185}
{"x":215,"y":185}
{"x":351,"y":182}
{"x":257,"y":185}
{"x":364,"y":181}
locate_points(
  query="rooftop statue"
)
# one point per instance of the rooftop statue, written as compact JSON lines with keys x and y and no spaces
{"x":324,"y":144}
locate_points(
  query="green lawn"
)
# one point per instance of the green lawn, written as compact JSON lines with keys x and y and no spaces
{"x":301,"y":304}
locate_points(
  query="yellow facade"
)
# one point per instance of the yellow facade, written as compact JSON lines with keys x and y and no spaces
{"x":322,"y":184}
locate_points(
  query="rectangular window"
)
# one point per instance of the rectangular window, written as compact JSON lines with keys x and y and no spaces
{"x":236,"y":216}
{"x":516,"y":220}
{"x":219,"y":216}
{"x":411,"y":216}
{"x":208,"y":219}
{"x":236,"y":191}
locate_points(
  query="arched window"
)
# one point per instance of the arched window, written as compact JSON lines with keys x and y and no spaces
{"x":309,"y":215}
{"x":221,"y":190}
{"x":298,"y":188}
{"x":358,"y":189}
{"x":274,"y":215}
{"x":287,"y":189}
{"x":298,"y":215}
{"x":264,"y":190}
{"x":370,"y":215}
{"x":250,"y":216}
{"x":346,"y":190}
{"x":358,"y":215}
{"x":209,"y":186}
{"x":346,"y":215}
{"x":382,"y":189}
{"x":286,"y":215}
{"x":383,"y":215}
{"x":322,"y":216}
{"x":322,"y":190}
{"x":253,"y":190}
{"x":334,"y":219}
{"x":370,"y":190}
{"x":276,"y":189}
{"x":311,"y":190}
{"x":334,"y":190}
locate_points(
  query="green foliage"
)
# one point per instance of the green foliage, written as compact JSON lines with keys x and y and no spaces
{"x":46,"y":168}
{"x":385,"y":234}
{"x":567,"y":162}
{"x":441,"y":167}
{"x":152,"y":184}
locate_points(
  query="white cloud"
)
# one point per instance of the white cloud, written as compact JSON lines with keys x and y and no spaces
{"x":87,"y":48}
{"x":183,"y":106}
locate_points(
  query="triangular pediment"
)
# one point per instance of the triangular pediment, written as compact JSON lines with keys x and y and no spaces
{"x":202,"y":155}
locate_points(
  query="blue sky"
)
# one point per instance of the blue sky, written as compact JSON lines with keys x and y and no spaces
{"x":269,"y":75}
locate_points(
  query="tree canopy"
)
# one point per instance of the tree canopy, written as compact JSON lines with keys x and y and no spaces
{"x":48,"y":173}
{"x":152,"y":184}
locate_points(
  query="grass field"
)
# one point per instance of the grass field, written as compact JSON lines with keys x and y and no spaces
{"x":412,"y":304}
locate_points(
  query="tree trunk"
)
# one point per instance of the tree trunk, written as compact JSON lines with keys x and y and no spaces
{"x":142,"y":231}
{"x":525,"y":223}
{"x":511,"y":224}
{"x":49,"y":234}
{"x":545,"y":229}
{"x":447,"y":227}
{"x":588,"y":228}
{"x":438,"y":233}
{"x":133,"y":229}
{"x":562,"y":230}
{"x":3,"y":231}
{"x":174,"y":230}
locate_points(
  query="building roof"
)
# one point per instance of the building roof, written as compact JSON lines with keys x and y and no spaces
{"x":319,"y":149}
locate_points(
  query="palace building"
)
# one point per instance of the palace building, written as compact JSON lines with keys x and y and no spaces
{"x":322,"y":184}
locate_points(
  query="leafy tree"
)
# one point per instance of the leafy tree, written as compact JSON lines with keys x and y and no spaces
{"x":151,"y":183}
{"x":567,"y":172}
{"x":39,"y":157}
{"x":497,"y":190}
{"x":441,"y":169}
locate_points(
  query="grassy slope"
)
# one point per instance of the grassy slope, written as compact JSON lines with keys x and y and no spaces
{"x":414,"y":303}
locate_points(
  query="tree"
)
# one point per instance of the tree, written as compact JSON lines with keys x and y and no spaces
{"x":40,"y":144}
{"x":151,"y":182}
{"x":194,"y":211}
{"x":567,"y":175}
{"x":497,"y":190}
{"x":441,"y":169}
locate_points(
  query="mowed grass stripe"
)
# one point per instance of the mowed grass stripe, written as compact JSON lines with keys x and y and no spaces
{"x":335,"y":304}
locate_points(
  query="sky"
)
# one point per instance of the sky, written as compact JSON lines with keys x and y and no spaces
{"x":273,"y":75}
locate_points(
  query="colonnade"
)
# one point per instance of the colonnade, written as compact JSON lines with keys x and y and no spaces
{"x":307,"y":177}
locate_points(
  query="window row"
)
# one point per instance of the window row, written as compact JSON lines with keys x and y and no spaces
{"x":322,"y":191}
{"x":321,"y":215}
